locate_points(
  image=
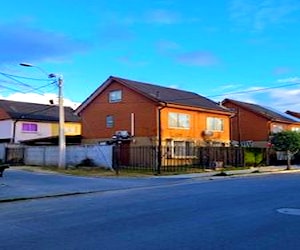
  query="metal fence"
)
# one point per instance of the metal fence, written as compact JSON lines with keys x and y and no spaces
{"x":153,"y":158}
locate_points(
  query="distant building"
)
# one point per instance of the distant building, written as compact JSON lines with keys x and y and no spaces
{"x":253,"y":124}
{"x":32,"y":123}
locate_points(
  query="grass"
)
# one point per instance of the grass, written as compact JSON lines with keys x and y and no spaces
{"x":89,"y":171}
{"x":101,"y":172}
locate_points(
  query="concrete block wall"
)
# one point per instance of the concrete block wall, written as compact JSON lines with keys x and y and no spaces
{"x":101,"y":155}
{"x":2,"y":151}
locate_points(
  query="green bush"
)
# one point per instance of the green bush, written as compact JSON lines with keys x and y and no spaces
{"x":253,"y":157}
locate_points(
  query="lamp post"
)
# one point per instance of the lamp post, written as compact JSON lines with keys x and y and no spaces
{"x":61,"y":130}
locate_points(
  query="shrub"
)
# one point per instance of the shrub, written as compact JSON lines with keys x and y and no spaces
{"x":253,"y":157}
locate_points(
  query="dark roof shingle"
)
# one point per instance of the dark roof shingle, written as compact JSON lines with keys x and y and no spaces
{"x":267,"y":112}
{"x":171,"y":95}
{"x":35,"y":111}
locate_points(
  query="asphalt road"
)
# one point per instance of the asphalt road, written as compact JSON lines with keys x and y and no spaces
{"x":238,"y":213}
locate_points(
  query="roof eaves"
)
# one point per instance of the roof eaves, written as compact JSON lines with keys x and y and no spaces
{"x":265,"y":115}
{"x":92,"y":96}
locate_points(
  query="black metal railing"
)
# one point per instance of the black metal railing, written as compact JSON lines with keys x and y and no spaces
{"x":182,"y":158}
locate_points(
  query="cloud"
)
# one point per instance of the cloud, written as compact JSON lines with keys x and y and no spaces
{"x":38,"y":98}
{"x":282,"y":70}
{"x":295,"y":80}
{"x":23,"y":43}
{"x":129,"y":61}
{"x":166,"y":46}
{"x":286,"y":98}
{"x":197,"y":58}
{"x":259,"y":15}
{"x":114,"y":32}
{"x":161,"y":16}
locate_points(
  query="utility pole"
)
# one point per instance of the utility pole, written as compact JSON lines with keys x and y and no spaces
{"x":61,"y":132}
{"x":61,"y":126}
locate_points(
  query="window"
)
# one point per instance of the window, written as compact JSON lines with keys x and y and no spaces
{"x":183,"y":148}
{"x":177,"y":120}
{"x":109,"y":121}
{"x":115,"y":96}
{"x":214,"y":124}
{"x":29,"y":127}
{"x":179,"y":149}
{"x":277,"y":128}
{"x":296,"y":129}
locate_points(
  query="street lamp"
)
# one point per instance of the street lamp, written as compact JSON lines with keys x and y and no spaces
{"x":61,"y":130}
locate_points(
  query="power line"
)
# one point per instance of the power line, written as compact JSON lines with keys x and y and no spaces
{"x":12,"y":89}
{"x":11,"y":78}
{"x":28,"y":86}
{"x":255,"y":90}
{"x":27,"y":78}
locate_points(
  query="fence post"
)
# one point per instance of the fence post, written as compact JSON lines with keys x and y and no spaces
{"x":116,"y":160}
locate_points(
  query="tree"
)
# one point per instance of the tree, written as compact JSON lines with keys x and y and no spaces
{"x":288,"y":141}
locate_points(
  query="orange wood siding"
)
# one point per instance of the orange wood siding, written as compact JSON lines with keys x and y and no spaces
{"x":197,"y":125}
{"x":94,"y":115}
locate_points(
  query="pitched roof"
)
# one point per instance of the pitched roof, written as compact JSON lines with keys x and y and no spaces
{"x":160,"y":94}
{"x":293,"y":113}
{"x":266,"y":112}
{"x":35,"y":111}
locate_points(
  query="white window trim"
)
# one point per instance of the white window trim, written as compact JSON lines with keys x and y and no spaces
{"x":171,"y":150}
{"x":29,"y":131}
{"x":214,"y":129}
{"x":188,"y":116}
{"x":111,"y":100}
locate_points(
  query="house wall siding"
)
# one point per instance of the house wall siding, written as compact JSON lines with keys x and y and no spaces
{"x":253,"y":127}
{"x":198,"y":124}
{"x":246,"y":125}
{"x":44,"y":130}
{"x":71,"y":128}
{"x":94,"y":116}
{"x":6,"y":129}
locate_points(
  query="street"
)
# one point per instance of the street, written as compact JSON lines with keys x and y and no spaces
{"x":225,"y":213}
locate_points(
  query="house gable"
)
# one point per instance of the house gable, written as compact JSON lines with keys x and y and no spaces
{"x":254,"y":122}
{"x":121,"y":104}
{"x":134,"y":113}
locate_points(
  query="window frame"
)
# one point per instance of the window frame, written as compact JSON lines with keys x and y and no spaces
{"x":109,"y":123}
{"x":183,"y":151}
{"x":215,"y":124}
{"x":179,"y":120}
{"x":29,"y":127}
{"x":276,"y":128}
{"x":115,"y":96}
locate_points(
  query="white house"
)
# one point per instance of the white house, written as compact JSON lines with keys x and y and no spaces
{"x":22,"y":122}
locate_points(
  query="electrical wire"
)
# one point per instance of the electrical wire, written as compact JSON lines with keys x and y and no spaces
{"x":22,"y":84}
{"x":254,"y":90}
{"x":27,"y":78}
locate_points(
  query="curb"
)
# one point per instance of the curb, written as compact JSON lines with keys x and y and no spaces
{"x":215,"y":175}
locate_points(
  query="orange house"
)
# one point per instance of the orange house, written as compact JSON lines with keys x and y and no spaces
{"x":152,"y":115}
{"x":252,"y":124}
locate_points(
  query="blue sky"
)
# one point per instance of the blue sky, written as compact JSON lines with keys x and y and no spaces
{"x":246,"y":50}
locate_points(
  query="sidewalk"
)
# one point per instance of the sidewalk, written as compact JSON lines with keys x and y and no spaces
{"x":17,"y":184}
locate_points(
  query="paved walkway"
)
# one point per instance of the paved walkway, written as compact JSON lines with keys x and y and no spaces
{"x":18,"y":184}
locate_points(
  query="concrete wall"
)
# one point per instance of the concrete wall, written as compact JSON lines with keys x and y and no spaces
{"x":48,"y":155}
{"x":2,"y":151}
